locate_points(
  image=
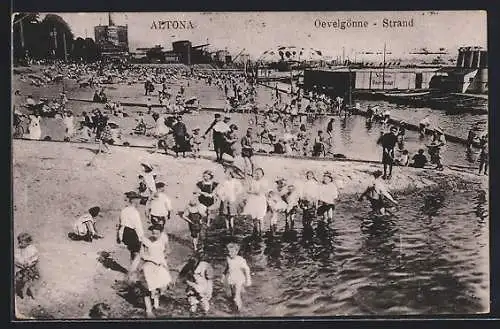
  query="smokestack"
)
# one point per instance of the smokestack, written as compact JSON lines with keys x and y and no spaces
{"x":110,"y":20}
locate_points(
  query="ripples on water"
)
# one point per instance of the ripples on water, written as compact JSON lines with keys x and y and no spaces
{"x":430,"y":258}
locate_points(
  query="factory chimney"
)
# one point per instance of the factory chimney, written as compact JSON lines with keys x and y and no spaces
{"x":110,"y":20}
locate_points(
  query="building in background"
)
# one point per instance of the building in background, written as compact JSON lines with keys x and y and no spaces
{"x":470,"y":74}
{"x":112,"y":40}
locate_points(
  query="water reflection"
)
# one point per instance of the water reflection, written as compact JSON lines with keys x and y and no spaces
{"x":364,"y":264}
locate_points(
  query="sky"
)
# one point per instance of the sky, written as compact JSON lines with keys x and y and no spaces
{"x":257,"y":32}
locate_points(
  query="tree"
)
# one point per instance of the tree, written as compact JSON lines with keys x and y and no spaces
{"x":55,"y":35}
{"x":41,"y":39}
{"x":91,"y":50}
{"x":25,"y":35}
{"x":79,"y":49}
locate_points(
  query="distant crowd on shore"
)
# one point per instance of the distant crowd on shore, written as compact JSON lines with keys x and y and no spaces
{"x":284,"y":124}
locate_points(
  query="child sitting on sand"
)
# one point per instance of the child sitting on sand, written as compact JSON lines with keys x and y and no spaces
{"x":402,"y":159}
{"x":419,"y":159}
{"x":194,"y":214}
{"x":200,"y":290}
{"x":99,"y":311}
{"x":84,"y":227}
{"x":26,"y":265}
{"x":84,"y":134}
{"x":141,"y":128}
{"x":237,"y":274}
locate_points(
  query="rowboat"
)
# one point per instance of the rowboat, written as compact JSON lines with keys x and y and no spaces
{"x":409,"y":94}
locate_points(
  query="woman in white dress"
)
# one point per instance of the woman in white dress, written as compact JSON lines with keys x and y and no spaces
{"x":155,"y":268}
{"x":256,"y":206}
{"x":35,"y":131}
{"x":69,"y":124}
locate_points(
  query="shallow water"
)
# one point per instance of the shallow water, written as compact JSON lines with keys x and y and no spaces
{"x":351,"y":136}
{"x":454,"y":124}
{"x":431,"y":257}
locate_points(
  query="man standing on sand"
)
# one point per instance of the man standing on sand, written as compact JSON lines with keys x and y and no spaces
{"x":378,"y":194}
{"x":388,"y":142}
{"x":180,"y":137}
{"x":130,"y":227}
{"x":219,"y":129}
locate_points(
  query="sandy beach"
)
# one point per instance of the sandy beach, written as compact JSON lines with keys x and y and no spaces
{"x":54,"y":185}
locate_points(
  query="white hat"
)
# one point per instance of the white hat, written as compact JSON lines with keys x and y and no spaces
{"x":147,"y":165}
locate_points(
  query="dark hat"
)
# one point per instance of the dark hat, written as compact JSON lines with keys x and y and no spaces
{"x":160,"y":185}
{"x":328,"y":174}
{"x":94,"y":211}
{"x":208,"y":172}
{"x":147,"y":165}
{"x":155,"y":227}
{"x":132,"y":195}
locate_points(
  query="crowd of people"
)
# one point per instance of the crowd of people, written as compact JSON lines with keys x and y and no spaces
{"x":283,"y":126}
{"x":244,"y":196}
{"x":231,"y":199}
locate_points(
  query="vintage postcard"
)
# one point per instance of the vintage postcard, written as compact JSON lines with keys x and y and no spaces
{"x":250,"y":164}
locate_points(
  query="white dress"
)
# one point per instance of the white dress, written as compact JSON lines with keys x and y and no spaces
{"x":235,"y":275}
{"x":310,"y":190}
{"x":256,"y":206}
{"x":35,"y":131}
{"x":328,"y":193}
{"x":155,"y":266}
{"x":70,"y":125}
{"x":161,"y":127}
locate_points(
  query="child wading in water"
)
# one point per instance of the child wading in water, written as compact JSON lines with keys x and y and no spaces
{"x":228,"y":192}
{"x":26,"y":265}
{"x":309,"y":198}
{"x":155,"y":268}
{"x":379,"y":196}
{"x":200,"y":289}
{"x":256,"y":206}
{"x":194,"y":214}
{"x":484,"y":155}
{"x":327,"y":196}
{"x":237,"y":274}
